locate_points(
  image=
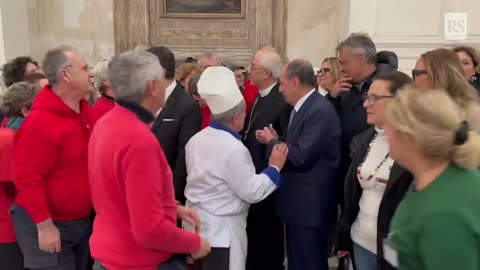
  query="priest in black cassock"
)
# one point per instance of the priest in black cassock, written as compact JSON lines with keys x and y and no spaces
{"x":265,"y":230}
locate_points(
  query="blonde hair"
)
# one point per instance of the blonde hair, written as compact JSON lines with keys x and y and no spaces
{"x":334,"y":70}
{"x":186,"y":70}
{"x":432,"y":119}
{"x":17,"y":96}
{"x":445,"y":71}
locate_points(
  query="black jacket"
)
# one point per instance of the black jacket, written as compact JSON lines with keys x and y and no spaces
{"x":274,"y":108}
{"x":397,"y":185}
{"x":178,"y":121}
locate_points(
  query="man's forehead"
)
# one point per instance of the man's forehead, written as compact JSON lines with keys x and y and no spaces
{"x":75,"y":57}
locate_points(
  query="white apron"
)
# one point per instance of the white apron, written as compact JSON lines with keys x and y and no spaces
{"x":224,"y":232}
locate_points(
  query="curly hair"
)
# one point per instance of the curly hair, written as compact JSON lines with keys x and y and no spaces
{"x":17,"y":96}
{"x":14,"y":71}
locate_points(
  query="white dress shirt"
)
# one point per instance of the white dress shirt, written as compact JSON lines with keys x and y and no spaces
{"x":302,"y":100}
{"x":168,"y":92}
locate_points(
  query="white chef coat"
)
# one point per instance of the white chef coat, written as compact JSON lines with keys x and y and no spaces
{"x":221,"y":185}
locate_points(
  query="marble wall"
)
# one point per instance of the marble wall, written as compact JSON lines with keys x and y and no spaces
{"x":84,"y":24}
{"x":408,"y":27}
{"x":312,"y":29}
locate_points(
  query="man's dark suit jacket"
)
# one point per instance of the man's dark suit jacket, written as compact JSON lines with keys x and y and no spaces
{"x":178,"y":121}
{"x":273,"y":108}
{"x":307,"y":194}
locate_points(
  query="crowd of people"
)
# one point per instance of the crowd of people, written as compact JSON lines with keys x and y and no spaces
{"x":142,"y":164}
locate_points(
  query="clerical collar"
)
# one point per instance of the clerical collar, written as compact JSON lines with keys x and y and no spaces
{"x":226,"y":129}
{"x":266,"y":91}
{"x":143,"y":114}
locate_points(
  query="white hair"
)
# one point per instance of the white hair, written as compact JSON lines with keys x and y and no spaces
{"x":271,"y":62}
{"x":209,"y":56}
{"x":101,"y":73}
{"x":130,"y":72}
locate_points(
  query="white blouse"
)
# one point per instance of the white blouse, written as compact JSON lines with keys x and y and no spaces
{"x":364,"y":229}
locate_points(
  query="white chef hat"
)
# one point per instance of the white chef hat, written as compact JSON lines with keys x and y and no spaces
{"x":218,"y":87}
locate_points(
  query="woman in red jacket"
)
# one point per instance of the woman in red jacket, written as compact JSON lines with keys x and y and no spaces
{"x":106,"y":102}
{"x":17,"y":102}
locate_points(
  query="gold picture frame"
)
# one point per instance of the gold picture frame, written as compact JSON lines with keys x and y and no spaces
{"x":204,"y":9}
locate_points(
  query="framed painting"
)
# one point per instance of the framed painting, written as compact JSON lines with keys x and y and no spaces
{"x":204,"y":9}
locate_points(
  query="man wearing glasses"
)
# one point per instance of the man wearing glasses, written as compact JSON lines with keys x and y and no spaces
{"x":52,"y":209}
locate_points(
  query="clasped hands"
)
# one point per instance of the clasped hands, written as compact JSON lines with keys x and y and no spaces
{"x":265,"y":135}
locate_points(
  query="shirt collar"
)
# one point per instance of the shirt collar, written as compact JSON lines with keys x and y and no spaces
{"x":302,"y":100}
{"x":226,"y":129}
{"x":170,"y":89}
{"x":266,"y":91}
{"x":143,"y":114}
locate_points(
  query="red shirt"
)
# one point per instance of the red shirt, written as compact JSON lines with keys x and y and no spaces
{"x":103,"y":105}
{"x":50,"y":166}
{"x":7,"y":189}
{"x":206,"y":116}
{"x":132,"y":191}
{"x":250,"y":93}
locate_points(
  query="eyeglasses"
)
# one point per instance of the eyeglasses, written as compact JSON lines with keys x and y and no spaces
{"x":372,"y":99}
{"x":322,"y":72}
{"x":418,"y":72}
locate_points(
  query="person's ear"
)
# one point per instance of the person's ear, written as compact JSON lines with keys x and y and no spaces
{"x":25,"y":110}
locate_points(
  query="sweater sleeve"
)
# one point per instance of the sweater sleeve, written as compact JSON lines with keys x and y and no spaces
{"x":147,"y":203}
{"x":36,"y":154}
{"x":447,"y":242}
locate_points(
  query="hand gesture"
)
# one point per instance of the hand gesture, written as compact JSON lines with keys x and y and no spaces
{"x":279,"y":156}
{"x":343,"y":85}
{"x":265,"y":135}
{"x":190,"y":216}
{"x":49,"y":237}
{"x":203,"y":251}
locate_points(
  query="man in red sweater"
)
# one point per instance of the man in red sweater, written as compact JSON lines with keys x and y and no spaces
{"x":53,"y":204}
{"x":131,"y":181}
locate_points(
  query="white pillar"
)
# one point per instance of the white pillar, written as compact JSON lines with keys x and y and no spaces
{"x":14,"y":31}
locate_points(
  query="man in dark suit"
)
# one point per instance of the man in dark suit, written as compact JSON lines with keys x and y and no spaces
{"x":307,"y":195}
{"x":176,"y":123}
{"x":264,"y":228}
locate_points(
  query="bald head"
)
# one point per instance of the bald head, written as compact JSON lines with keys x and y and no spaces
{"x":267,"y":48}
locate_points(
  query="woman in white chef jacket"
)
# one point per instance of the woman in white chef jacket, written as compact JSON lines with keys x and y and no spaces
{"x":221,"y":181}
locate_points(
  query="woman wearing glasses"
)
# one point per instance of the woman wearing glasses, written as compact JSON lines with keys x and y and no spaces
{"x":375,"y":184}
{"x":328,"y":75}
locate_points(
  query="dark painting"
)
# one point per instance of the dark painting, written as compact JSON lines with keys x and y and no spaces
{"x":204,"y":7}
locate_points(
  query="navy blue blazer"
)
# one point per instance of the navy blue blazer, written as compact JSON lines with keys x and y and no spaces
{"x":307,"y":194}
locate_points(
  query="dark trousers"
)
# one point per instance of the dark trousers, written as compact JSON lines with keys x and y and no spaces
{"x":265,"y":233}
{"x":307,"y":247}
{"x":74,"y":236}
{"x":218,"y":259}
{"x":11,"y":257}
{"x":177,"y":262}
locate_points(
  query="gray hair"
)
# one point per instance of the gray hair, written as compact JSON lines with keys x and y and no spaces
{"x":303,"y":70}
{"x":130,"y":72}
{"x":361,"y":44}
{"x":101,"y":74}
{"x":271,"y":62}
{"x":229,"y":64}
{"x":54,"y":61}
{"x":227,"y":117}
{"x":209,"y":56}
{"x":142,"y":47}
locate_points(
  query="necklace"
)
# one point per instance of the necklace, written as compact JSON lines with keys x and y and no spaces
{"x":359,"y":169}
